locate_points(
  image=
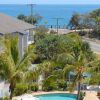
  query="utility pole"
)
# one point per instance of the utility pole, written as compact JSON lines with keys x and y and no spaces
{"x":31,"y":18}
{"x":32,"y":5}
{"x":57,"y":20}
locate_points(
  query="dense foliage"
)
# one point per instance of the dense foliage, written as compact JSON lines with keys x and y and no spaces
{"x":60,"y":55}
{"x":89,"y":21}
{"x":34,"y":87}
{"x":30,"y":19}
{"x":20,"y":89}
{"x":63,"y":60}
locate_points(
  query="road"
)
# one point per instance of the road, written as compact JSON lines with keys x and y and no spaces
{"x":65,"y":31}
{"x":61,"y":31}
{"x":94,"y":46}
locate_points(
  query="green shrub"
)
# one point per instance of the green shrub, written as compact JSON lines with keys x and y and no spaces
{"x":20,"y":89}
{"x":34,"y":87}
{"x":1,"y":98}
{"x":82,"y":95}
{"x":49,"y":85}
{"x":53,"y":32}
{"x":7,"y":98}
{"x":62,"y":85}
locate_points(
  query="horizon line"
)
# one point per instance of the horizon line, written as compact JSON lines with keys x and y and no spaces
{"x":50,"y":4}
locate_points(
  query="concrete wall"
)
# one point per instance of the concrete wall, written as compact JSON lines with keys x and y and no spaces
{"x":4,"y":89}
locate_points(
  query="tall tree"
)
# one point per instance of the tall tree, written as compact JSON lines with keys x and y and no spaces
{"x":81,"y":56}
{"x":13,"y":69}
{"x":75,"y":21}
{"x":95,"y":72}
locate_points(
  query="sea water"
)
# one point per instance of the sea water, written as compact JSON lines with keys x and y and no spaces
{"x":48,"y":12}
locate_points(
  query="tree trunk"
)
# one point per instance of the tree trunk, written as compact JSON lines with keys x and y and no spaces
{"x":79,"y":90}
{"x":11,"y":94}
{"x":11,"y":88}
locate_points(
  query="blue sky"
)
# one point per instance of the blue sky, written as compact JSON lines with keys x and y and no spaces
{"x":50,"y":1}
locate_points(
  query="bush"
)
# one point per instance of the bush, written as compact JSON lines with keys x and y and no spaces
{"x":82,"y":95}
{"x":62,"y":85}
{"x":53,"y":32}
{"x":20,"y":89}
{"x":34,"y":87}
{"x":7,"y":98}
{"x":49,"y":85}
{"x":1,"y":98}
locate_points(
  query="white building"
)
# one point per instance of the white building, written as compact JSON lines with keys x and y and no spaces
{"x":14,"y":26}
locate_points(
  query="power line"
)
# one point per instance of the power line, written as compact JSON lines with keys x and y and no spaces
{"x":57,"y":20}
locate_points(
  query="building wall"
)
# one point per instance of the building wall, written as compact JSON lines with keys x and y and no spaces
{"x":31,"y":34}
{"x":23,"y":43}
{"x":21,"y":51}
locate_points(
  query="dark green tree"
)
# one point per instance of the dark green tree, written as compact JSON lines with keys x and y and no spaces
{"x":30,"y":19}
{"x":75,"y":21}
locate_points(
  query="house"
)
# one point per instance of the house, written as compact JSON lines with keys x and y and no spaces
{"x":14,"y":26}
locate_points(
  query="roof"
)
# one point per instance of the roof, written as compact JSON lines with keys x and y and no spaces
{"x":10,"y":24}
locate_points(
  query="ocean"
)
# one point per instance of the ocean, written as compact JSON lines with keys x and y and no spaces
{"x":49,"y":12}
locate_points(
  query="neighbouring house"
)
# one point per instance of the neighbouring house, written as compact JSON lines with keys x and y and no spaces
{"x":25,"y":31}
{"x":14,"y":26}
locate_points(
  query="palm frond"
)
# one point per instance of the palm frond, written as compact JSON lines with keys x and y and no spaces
{"x":6,"y":65}
{"x":67,"y":69}
{"x":31,"y":75}
{"x":26,"y":60}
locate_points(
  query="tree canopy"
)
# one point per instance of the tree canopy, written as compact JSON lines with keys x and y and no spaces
{"x":30,"y":19}
{"x":89,"y":21}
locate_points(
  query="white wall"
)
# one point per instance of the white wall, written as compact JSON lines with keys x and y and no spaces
{"x":31,"y":34}
{"x":4,"y":89}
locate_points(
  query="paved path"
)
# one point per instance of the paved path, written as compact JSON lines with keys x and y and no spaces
{"x":91,"y":96}
{"x":52,"y":92}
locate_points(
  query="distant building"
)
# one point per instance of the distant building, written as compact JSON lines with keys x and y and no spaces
{"x":14,"y":26}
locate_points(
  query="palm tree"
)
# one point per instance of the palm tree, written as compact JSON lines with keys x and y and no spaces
{"x":78,"y":68}
{"x":50,"y":74}
{"x":95,"y":72}
{"x":13,"y":68}
{"x":81,"y":56}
